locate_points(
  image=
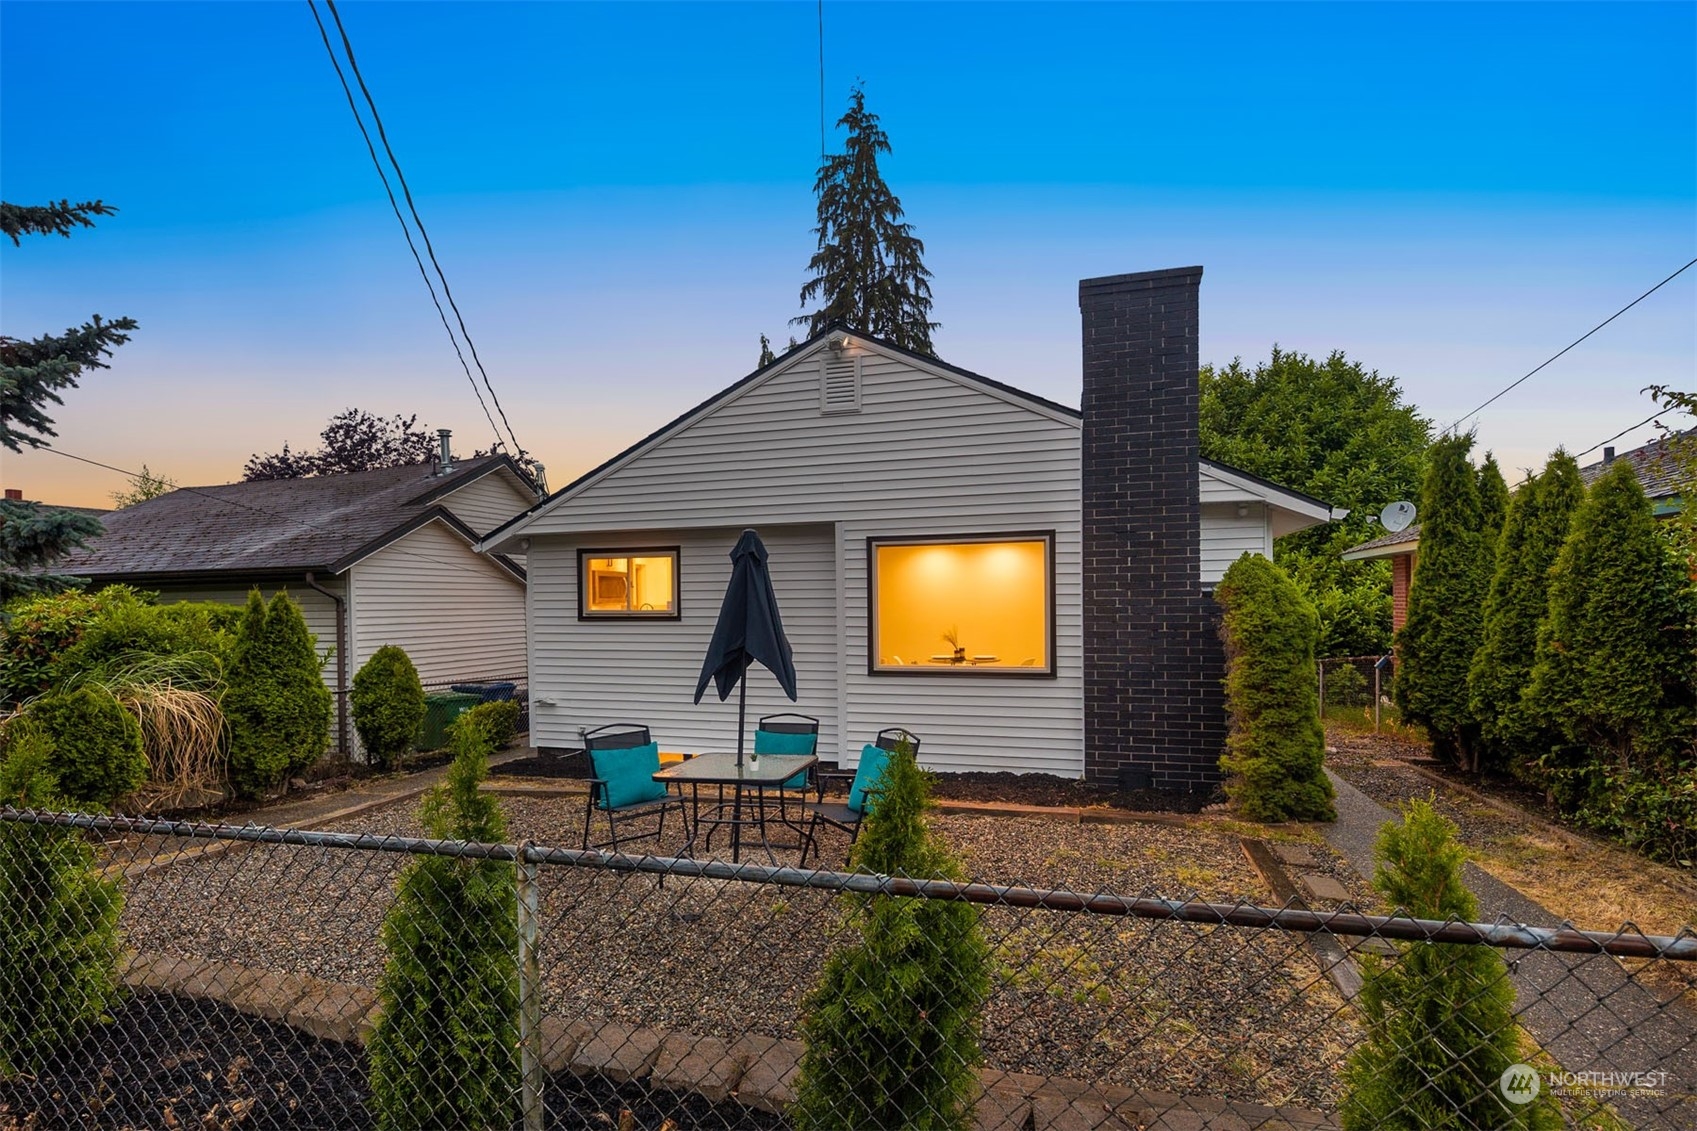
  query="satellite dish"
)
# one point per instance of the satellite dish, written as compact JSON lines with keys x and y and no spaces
{"x":1397,"y":516}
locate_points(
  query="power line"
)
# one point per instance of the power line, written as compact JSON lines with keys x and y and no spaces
{"x":1621,"y":433}
{"x":382,"y":134}
{"x":1513,"y":384}
{"x":295,"y":520}
{"x":405,"y":231}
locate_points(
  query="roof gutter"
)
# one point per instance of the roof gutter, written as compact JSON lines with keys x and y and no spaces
{"x":343,"y":746}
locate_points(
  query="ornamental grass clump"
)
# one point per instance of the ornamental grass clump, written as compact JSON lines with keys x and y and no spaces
{"x":58,"y":917}
{"x":1276,"y":745}
{"x":388,"y":705}
{"x":444,"y":1052}
{"x":277,"y":705}
{"x":1440,"y":1016}
{"x":891,"y":1028}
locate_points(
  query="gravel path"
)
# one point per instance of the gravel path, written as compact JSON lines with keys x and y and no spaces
{"x":1167,"y":1006}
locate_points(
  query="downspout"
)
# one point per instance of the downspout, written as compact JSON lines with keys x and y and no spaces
{"x":342,"y":745}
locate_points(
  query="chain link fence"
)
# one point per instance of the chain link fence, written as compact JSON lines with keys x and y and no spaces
{"x":551,"y":987}
{"x":1356,"y":691}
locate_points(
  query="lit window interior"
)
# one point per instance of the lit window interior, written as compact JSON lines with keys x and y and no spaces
{"x":962,"y":606}
{"x":631,"y":585}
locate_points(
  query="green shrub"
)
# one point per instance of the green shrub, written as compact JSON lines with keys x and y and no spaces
{"x":277,"y":706}
{"x":1347,"y":687}
{"x":1451,"y":578}
{"x":498,"y":721}
{"x":1532,"y":537}
{"x":37,"y":631}
{"x":1440,"y":1017}
{"x":1274,"y":750}
{"x":96,"y":748}
{"x":388,"y":704}
{"x":891,"y":1028}
{"x":444,"y":1052}
{"x":122,"y":633}
{"x":59,"y":919}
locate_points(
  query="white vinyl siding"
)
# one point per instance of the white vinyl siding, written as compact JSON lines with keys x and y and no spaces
{"x":927,"y":454}
{"x":458,"y":615}
{"x":317,"y":610}
{"x":487,"y":502}
{"x":645,"y":671}
{"x":1227,"y":536}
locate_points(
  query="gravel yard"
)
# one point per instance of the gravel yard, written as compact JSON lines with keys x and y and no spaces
{"x":1207,"y":1010}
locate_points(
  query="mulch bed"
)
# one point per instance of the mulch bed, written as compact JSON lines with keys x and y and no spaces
{"x":170,"y":1063}
{"x":1010,"y":788}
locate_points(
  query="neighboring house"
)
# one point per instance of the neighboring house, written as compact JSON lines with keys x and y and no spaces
{"x":373,"y":558}
{"x":1655,"y":474}
{"x":16,"y":495}
{"x":1068,"y":554}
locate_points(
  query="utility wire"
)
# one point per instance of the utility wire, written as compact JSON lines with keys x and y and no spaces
{"x":293,"y":519}
{"x":1621,"y":433}
{"x":1575,"y":342}
{"x":405,"y":230}
{"x":821,"y":81}
{"x":382,"y":134}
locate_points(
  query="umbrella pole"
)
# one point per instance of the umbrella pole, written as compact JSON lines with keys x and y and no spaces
{"x":736,"y":808}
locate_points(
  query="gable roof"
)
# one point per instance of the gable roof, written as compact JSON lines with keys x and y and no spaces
{"x":1394,"y":544}
{"x":1043,"y":405}
{"x":323,"y":523}
{"x":1651,"y":463}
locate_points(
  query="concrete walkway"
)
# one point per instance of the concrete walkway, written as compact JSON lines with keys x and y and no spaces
{"x":1582,"y":1008}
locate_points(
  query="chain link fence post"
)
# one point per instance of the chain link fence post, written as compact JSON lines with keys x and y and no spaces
{"x":531,"y":1075}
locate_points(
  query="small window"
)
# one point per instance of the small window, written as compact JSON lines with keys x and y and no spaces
{"x":978,"y":605}
{"x":628,"y":583}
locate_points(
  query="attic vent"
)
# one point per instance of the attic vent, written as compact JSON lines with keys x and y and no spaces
{"x":839,"y":384}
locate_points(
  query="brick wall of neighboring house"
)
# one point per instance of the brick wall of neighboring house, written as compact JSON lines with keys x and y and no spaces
{"x":1402,"y":572}
{"x":1153,"y":660}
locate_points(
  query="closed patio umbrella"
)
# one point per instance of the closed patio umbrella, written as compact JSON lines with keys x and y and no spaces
{"x":749,"y":629}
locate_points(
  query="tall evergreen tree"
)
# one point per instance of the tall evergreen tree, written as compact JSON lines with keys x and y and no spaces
{"x":1451,"y":578}
{"x":869,"y":272}
{"x":1532,"y":537}
{"x":1613,"y":670}
{"x":277,"y":705}
{"x":33,"y":374}
{"x":1493,"y":502}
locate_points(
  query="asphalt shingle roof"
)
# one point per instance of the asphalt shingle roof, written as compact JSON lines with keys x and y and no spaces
{"x":271,"y":525}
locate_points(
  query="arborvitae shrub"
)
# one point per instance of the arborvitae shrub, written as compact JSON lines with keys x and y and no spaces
{"x":1451,"y":577}
{"x":1276,"y":744}
{"x":891,"y":1028}
{"x":1532,"y":537}
{"x":1614,"y":672}
{"x":277,"y":705}
{"x":498,"y":721}
{"x":1440,"y":1017}
{"x":58,"y":918}
{"x":96,"y":745}
{"x":1494,"y":501}
{"x":388,"y":704}
{"x":444,"y":1052}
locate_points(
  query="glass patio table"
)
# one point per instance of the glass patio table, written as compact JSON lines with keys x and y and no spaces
{"x":752,"y":779}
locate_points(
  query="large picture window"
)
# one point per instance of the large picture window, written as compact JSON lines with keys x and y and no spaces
{"x":980,"y":604}
{"x":628,"y":583}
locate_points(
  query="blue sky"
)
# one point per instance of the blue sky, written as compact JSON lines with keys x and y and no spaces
{"x":621,"y":196}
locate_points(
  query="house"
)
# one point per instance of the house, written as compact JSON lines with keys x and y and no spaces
{"x":16,"y":495}
{"x":372,"y":557}
{"x":1024,"y":585}
{"x":1655,"y":474}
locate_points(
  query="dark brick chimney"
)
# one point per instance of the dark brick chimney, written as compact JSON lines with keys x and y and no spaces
{"x":1154,"y":708}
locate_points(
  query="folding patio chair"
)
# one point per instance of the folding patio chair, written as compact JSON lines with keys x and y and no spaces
{"x":623,"y":760}
{"x":865,"y":783}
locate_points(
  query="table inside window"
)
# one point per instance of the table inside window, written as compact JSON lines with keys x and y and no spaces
{"x":751,"y":780}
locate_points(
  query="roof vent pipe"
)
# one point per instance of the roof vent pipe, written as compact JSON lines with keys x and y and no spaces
{"x":445,"y":464}
{"x":1608,"y":456}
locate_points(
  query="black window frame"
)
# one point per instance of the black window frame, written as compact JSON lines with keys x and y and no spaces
{"x":958,"y":671}
{"x":674,"y":613}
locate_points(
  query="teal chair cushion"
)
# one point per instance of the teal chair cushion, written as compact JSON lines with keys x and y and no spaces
{"x":629,"y":775}
{"x":778,"y":742}
{"x":869,"y":775}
